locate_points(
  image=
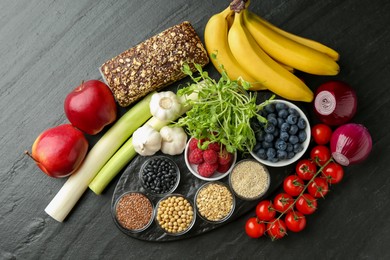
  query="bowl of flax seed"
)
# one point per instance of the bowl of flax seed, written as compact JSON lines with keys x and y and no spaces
{"x":249,"y":179}
{"x":134,"y":211}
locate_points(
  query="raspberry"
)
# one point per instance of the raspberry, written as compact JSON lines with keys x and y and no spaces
{"x":224,"y":157}
{"x":222,"y":168}
{"x":207,"y":169}
{"x":210,"y":156}
{"x":193,"y":144}
{"x":214,"y":146}
{"x":195,"y":156}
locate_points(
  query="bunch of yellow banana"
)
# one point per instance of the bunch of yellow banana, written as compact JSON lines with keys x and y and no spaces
{"x":248,"y":47}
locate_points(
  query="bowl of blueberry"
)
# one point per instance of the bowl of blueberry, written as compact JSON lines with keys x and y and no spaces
{"x":284,"y":138}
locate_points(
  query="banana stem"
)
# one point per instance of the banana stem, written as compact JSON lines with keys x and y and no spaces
{"x":239,"y":5}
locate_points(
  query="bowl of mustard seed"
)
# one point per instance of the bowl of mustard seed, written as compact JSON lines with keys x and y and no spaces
{"x":249,"y":180}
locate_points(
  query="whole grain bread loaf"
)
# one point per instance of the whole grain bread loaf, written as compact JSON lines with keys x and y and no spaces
{"x":154,"y":63}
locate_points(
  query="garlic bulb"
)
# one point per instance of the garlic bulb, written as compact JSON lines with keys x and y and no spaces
{"x":165,"y":106}
{"x":146,"y":140}
{"x":174,"y":140}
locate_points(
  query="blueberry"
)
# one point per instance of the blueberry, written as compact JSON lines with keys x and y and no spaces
{"x":301,"y":123}
{"x":280,"y":122}
{"x":302,"y":136}
{"x":284,"y":136}
{"x":279,"y":106}
{"x":257,"y":147}
{"x":260,"y":135}
{"x":298,"y":148}
{"x":293,"y":111}
{"x":273,"y":121}
{"x":269,"y":138}
{"x":271,"y":115}
{"x":293,"y":130}
{"x":290,"y":147}
{"x":269,"y":128}
{"x":273,"y":160}
{"x":283,"y":113}
{"x":280,"y":145}
{"x":270,"y":108}
{"x":290,"y":155}
{"x":262,"y":113}
{"x":266,"y":145}
{"x":285,"y":127}
{"x":282,"y":155}
{"x":276,"y":132}
{"x":271,"y":153}
{"x":255,"y":124}
{"x":293,"y":139}
{"x":261,"y":154}
{"x":292,"y":119}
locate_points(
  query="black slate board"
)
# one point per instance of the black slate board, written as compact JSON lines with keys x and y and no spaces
{"x":188,"y":186}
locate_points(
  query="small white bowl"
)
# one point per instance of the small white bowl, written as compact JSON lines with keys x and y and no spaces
{"x":216,"y":176}
{"x":305,"y":144}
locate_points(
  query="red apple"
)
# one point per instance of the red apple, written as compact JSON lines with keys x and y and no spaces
{"x":90,"y":107}
{"x":59,"y":151}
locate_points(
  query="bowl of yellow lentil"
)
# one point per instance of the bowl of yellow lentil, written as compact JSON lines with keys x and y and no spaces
{"x":214,"y":202}
{"x":175,"y":214}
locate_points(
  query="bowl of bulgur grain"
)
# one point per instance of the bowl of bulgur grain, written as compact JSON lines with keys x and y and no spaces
{"x":214,"y":202}
{"x":249,"y":180}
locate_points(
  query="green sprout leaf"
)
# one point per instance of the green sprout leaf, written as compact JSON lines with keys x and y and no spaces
{"x":223,"y":111}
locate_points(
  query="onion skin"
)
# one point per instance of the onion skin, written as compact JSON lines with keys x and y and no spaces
{"x":335,"y":103}
{"x":350,"y":144}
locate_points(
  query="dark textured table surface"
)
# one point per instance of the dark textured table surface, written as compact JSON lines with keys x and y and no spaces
{"x":47,"y":47}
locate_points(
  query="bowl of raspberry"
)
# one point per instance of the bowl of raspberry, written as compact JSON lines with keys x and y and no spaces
{"x":210,"y":163}
{"x":284,"y":138}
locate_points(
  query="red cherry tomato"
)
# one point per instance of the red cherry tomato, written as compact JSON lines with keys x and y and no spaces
{"x":282,"y":202}
{"x":306,"y":204}
{"x":293,"y":185}
{"x":318,"y":188}
{"x":276,"y":229}
{"x":265,"y":210}
{"x":320,"y":154}
{"x":306,"y":169}
{"x":321,"y":134}
{"x":254,"y":228}
{"x":295,"y":221}
{"x":333,"y":172}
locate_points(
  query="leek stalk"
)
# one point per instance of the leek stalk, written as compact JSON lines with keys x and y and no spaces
{"x":101,"y":152}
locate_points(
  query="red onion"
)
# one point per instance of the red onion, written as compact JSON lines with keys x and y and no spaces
{"x":350,"y":144}
{"x":335,"y":103}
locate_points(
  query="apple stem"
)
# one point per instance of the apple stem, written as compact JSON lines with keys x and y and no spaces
{"x":27,"y":152}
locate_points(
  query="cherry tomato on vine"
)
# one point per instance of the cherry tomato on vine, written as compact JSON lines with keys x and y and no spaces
{"x":333,"y":172}
{"x":254,"y":228}
{"x":321,"y":133}
{"x":295,"y":221}
{"x":293,"y":185}
{"x":318,"y":188}
{"x":306,"y":204}
{"x":306,"y":169}
{"x":276,"y":229}
{"x":265,"y":210}
{"x":282,"y":202}
{"x":320,"y":154}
